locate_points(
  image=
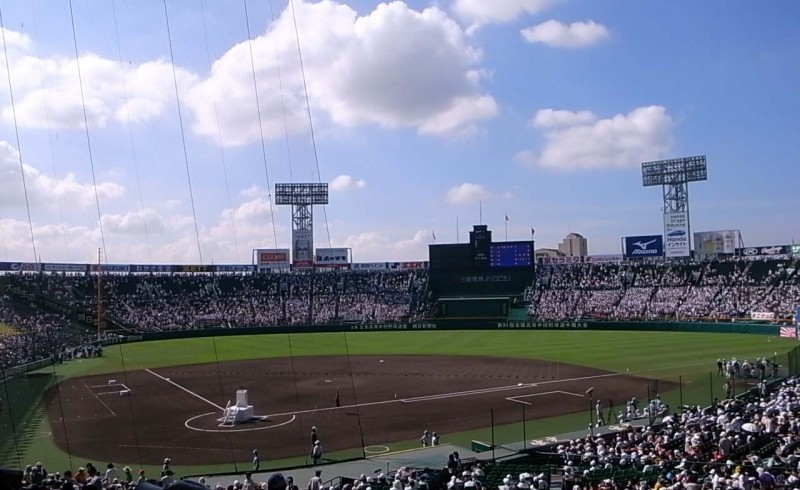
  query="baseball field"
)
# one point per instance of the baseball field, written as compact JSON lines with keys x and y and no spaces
{"x":369,"y":393}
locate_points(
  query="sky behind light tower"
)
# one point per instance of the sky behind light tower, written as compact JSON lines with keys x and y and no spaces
{"x":541,"y":110}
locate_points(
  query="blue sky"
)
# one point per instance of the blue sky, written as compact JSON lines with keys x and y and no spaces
{"x":539,"y":109}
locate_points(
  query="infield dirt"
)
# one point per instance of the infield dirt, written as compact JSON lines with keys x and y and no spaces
{"x":173,"y":412}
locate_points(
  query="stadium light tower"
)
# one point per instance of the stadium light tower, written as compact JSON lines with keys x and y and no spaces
{"x":674,"y":176}
{"x":302,"y":198}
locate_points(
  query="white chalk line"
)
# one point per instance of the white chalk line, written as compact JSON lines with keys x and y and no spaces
{"x":249,"y":429}
{"x":185,"y":447}
{"x":516,"y":399}
{"x":123,"y":389}
{"x":185,"y":389}
{"x":441,"y":396}
{"x":98,"y":398}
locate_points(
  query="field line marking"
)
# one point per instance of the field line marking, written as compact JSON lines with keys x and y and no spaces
{"x":383,"y":455}
{"x":516,"y":399}
{"x":182,"y":447}
{"x":185,"y":389}
{"x":97,"y":397}
{"x":445,"y":395}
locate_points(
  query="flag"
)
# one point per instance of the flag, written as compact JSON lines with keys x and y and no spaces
{"x":533,"y":231}
{"x":433,"y":234}
{"x":789,"y":332}
{"x":506,"y":217}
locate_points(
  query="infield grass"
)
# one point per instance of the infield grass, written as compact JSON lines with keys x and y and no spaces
{"x":686,"y":357}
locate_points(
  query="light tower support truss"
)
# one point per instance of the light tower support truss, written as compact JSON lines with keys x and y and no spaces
{"x":302,"y":198}
{"x":674,"y":176}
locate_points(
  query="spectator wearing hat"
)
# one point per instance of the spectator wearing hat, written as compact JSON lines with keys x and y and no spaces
{"x":38,"y":474}
{"x":256,"y":460}
{"x":141,"y":477}
{"x":316,"y":452}
{"x":316,"y":481}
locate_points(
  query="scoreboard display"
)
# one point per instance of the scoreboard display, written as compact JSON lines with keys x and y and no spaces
{"x":511,"y":254}
{"x":481,"y":254}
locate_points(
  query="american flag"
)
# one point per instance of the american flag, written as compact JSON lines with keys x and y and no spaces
{"x":790,"y":332}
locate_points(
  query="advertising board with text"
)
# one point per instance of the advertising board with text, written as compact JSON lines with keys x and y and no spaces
{"x":332,"y":256}
{"x":644,"y":246}
{"x":302,"y":248}
{"x":676,"y":235}
{"x":272,"y":258}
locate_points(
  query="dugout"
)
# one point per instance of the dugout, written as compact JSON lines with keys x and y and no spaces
{"x":473,"y":307}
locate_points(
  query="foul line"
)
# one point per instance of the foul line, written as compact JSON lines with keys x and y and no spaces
{"x":185,"y":389}
{"x":183,"y":447}
{"x":97,"y":397}
{"x":446,"y":395}
{"x":516,"y":399}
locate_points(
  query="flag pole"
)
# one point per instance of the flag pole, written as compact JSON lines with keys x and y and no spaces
{"x":480,"y":212}
{"x":506,"y":223}
{"x":458,"y":235}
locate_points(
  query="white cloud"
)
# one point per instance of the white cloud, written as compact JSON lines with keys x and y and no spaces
{"x":621,"y":141}
{"x":377,"y":68}
{"x":558,"y":34}
{"x":497,"y":11}
{"x":549,"y":118}
{"x":372,"y":246}
{"x":467,"y":193}
{"x":344,"y":183}
{"x":47,"y":91}
{"x":44,"y":190}
{"x":142,"y":222}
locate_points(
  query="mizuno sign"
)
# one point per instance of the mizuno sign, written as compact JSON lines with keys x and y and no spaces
{"x":644,"y":246}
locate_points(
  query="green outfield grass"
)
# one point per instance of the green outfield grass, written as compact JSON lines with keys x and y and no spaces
{"x":688,"y":357}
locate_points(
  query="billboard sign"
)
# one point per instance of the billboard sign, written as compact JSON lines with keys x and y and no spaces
{"x":676,"y":235}
{"x":795,"y":249}
{"x":110,"y":268}
{"x":19,"y":266}
{"x":644,"y":246}
{"x":302,"y":248}
{"x":233,"y":268}
{"x":771,"y":251}
{"x":721,"y":242}
{"x":65,"y":267}
{"x":272,"y":258}
{"x":152,"y":268}
{"x":332,"y":256}
{"x":369,"y":266}
{"x":603,"y":259}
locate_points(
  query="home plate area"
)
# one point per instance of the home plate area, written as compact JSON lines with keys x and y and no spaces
{"x":113,"y":387}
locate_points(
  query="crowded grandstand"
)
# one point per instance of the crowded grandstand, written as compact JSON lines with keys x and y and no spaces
{"x":38,"y":311}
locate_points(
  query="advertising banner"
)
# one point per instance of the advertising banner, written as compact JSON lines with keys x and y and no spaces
{"x":332,"y":256}
{"x":676,"y":235}
{"x":414,"y":265}
{"x":561,"y":260}
{"x":762,"y":315}
{"x":603,"y":259}
{"x":773,"y":250}
{"x":119,"y":268}
{"x":65,"y":267}
{"x":272,"y":258}
{"x":233,"y":268}
{"x":644,"y":246}
{"x":152,"y":268}
{"x":369,"y":266}
{"x":795,"y":250}
{"x":194,"y":268}
{"x":19,"y":266}
{"x":302,"y":248}
{"x":722,"y":242}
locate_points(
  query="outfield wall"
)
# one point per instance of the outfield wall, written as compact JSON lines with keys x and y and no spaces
{"x":468,"y":324}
